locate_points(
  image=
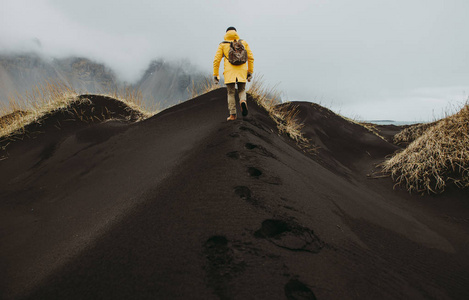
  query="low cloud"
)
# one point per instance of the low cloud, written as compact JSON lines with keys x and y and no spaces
{"x":366,"y":56}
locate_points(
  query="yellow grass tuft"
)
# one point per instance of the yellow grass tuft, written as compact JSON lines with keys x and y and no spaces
{"x":133,"y":98}
{"x":284,"y":115}
{"x":368,"y":126}
{"x":439,"y":157}
{"x":371,"y":128}
{"x":412,"y":132}
{"x":52,"y":96}
{"x":31,"y":106}
{"x":207,"y":85}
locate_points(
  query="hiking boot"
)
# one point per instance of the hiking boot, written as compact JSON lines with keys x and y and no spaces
{"x":231,"y":118}
{"x":244,"y":108}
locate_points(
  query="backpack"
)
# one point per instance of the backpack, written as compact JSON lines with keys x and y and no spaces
{"x":237,"y":54}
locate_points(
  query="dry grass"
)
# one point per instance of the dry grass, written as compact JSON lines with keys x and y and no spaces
{"x":284,"y":115}
{"x":371,"y":128}
{"x":33,"y":105}
{"x":368,"y":126}
{"x":207,"y":85}
{"x":52,"y":96}
{"x":269,"y":98}
{"x":133,"y":98}
{"x":58,"y":96}
{"x":436,"y":159}
{"x":411,"y":133}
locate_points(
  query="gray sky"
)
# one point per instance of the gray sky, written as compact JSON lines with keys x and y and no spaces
{"x":369,"y":59}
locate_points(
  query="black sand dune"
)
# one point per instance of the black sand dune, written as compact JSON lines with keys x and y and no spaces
{"x":342,"y":145}
{"x":185,"y":205}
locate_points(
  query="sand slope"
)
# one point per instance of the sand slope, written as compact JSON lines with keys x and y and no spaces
{"x":185,"y":205}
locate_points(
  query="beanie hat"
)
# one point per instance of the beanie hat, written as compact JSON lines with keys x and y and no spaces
{"x":231,"y":28}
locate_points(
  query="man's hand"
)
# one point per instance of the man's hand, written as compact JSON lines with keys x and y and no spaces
{"x":215,"y":78}
{"x":249,"y":78}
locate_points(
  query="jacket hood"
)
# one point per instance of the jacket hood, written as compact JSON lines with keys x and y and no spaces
{"x":231,"y":35}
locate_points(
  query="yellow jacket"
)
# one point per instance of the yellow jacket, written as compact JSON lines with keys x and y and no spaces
{"x":231,"y":72}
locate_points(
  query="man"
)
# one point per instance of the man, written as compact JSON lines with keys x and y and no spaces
{"x":234,"y":73}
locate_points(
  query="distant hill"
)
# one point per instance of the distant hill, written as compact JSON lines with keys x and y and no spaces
{"x":20,"y":73}
{"x":169,"y":83}
{"x":163,"y":82}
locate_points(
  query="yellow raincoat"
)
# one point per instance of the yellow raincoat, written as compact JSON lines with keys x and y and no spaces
{"x":231,"y":72}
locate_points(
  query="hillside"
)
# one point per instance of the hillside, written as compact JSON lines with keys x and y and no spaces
{"x":185,"y":205}
{"x":342,"y":146}
{"x":162,"y":83}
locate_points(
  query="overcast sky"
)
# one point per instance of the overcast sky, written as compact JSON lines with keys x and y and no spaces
{"x":370,"y":59}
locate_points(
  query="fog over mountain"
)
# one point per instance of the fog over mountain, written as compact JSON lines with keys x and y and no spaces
{"x":24,"y":71}
{"x":401,"y":60}
{"x":163,"y":84}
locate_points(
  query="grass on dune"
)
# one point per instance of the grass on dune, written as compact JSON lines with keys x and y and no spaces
{"x":203,"y":87}
{"x":52,"y":96}
{"x":368,"y":126}
{"x":437,"y":158}
{"x":411,"y":133}
{"x":31,"y":106}
{"x":133,"y":98}
{"x":58,"y":96}
{"x":284,"y":114}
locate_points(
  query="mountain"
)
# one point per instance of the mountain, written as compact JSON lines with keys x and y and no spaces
{"x":169,"y":83}
{"x":19,"y":73}
{"x":185,"y":205}
{"x":166,"y":83}
{"x":85,"y":75}
{"x":22,"y":72}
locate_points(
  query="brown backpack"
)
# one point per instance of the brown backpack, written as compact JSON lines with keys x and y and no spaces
{"x":237,"y":54}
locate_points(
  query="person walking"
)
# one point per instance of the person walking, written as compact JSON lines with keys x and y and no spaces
{"x":238,"y":67}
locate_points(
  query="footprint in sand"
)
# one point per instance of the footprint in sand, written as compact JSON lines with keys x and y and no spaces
{"x":250,"y":146}
{"x":234,"y":155}
{"x":289,"y":236}
{"x":297,"y":290}
{"x":245,"y":193}
{"x":221,"y":266}
{"x":251,"y":131}
{"x":259,"y":149}
{"x":258,"y":125}
{"x":254,"y":172}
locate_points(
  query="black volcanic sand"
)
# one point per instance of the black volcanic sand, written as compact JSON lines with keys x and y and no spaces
{"x":186,"y":205}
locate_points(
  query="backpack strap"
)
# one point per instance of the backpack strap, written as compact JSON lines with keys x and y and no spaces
{"x":227,"y":42}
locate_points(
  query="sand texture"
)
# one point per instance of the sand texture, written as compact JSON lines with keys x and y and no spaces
{"x":185,"y":205}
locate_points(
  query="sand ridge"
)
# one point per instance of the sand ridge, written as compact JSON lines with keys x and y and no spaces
{"x":185,"y":205}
